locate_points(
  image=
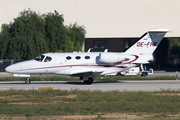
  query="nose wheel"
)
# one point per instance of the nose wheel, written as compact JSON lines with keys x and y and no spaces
{"x":28,"y":81}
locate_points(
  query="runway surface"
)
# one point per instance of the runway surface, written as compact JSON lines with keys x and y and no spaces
{"x":153,"y":85}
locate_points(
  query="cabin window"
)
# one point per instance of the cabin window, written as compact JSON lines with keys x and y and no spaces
{"x":68,"y":57}
{"x":78,"y":57}
{"x":99,"y":44}
{"x":39,"y":58}
{"x":47,"y":59}
{"x":86,"y":57}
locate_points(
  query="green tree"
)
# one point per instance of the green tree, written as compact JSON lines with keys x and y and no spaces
{"x":31,"y":34}
{"x":75,"y":38}
{"x":4,"y":39}
{"x":55,"y":31}
{"x":25,"y":38}
{"x":174,"y":46}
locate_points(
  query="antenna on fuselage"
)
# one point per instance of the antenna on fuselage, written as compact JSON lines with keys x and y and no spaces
{"x":106,"y":50}
{"x":90,"y":49}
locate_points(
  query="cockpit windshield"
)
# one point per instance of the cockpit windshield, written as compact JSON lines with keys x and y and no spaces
{"x":39,"y":58}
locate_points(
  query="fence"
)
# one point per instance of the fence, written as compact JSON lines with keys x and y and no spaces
{"x":6,"y":62}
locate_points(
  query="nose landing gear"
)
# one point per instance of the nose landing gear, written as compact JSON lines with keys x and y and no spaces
{"x":28,"y":81}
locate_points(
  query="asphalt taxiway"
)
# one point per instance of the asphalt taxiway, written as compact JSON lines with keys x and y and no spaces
{"x":153,"y":85}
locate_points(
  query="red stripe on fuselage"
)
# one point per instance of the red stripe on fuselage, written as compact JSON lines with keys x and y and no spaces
{"x":73,"y":66}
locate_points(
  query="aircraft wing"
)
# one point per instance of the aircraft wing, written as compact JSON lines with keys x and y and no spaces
{"x":88,"y":73}
{"x":79,"y":72}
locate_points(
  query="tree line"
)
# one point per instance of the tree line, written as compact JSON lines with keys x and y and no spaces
{"x":175,"y":47}
{"x":32,"y":34}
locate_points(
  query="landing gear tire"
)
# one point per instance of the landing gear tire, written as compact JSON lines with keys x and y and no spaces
{"x":89,"y":81}
{"x":144,"y":73}
{"x":28,"y":81}
{"x":119,"y":74}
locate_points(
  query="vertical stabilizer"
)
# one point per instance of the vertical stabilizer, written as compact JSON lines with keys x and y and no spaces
{"x":148,"y":42}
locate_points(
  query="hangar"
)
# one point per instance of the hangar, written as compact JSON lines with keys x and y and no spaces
{"x":114,"y":25}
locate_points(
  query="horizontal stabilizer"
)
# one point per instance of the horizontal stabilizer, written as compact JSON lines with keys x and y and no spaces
{"x":158,"y":31}
{"x":148,"y":42}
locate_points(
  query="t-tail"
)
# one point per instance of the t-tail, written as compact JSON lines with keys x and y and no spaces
{"x":148,"y":42}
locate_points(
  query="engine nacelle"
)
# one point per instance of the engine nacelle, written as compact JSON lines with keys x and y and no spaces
{"x":111,"y":57}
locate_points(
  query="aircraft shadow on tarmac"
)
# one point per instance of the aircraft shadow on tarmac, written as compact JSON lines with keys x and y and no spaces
{"x":62,"y":82}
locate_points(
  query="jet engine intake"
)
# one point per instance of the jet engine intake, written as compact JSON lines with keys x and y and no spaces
{"x":111,"y":57}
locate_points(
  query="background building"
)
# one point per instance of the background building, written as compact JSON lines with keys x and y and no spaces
{"x":104,"y":18}
{"x":111,"y":24}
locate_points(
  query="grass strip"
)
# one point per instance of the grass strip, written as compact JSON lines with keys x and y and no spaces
{"x":78,"y":102}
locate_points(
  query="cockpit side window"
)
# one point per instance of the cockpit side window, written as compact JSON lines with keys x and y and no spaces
{"x":47,"y":59}
{"x":39,"y":58}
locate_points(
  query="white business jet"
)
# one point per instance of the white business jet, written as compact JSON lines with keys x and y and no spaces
{"x":88,"y":65}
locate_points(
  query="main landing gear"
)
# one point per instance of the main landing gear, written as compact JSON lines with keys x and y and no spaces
{"x":144,"y":73}
{"x":28,"y":81}
{"x":89,"y":81}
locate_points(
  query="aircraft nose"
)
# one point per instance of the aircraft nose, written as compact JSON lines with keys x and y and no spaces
{"x":10,"y":69}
